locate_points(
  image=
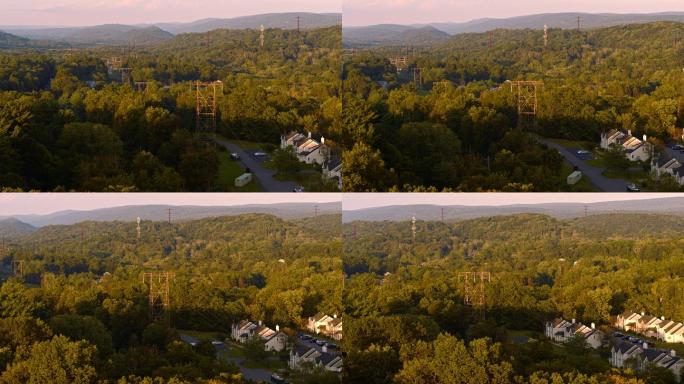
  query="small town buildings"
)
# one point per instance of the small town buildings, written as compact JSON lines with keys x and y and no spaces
{"x":664,"y":164}
{"x":635,"y":149}
{"x":315,"y":358}
{"x":246,"y":330}
{"x":627,"y":354}
{"x":623,"y":352}
{"x":561,"y":330}
{"x":669,"y":331}
{"x":322,"y":323}
{"x":311,"y":151}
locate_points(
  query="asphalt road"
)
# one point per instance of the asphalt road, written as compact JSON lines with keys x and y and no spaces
{"x":594,"y":174}
{"x":263,"y":175}
{"x":254,"y":374}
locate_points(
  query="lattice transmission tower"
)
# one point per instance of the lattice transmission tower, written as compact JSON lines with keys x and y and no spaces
{"x":158,"y":299}
{"x":474,"y":293}
{"x":527,"y":93}
{"x":205,"y":110}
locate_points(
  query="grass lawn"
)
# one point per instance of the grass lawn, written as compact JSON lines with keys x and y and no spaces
{"x":588,"y":145}
{"x":632,"y":176}
{"x":203,"y":336}
{"x":270,"y":364}
{"x":228,"y":171}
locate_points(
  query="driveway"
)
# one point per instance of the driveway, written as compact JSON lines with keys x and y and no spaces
{"x":593,"y":174}
{"x":254,"y":163}
{"x":254,"y":374}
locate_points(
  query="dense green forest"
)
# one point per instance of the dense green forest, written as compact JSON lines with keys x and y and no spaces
{"x":404,"y":299}
{"x":80,"y":312}
{"x":67,"y":123}
{"x":465,"y":134}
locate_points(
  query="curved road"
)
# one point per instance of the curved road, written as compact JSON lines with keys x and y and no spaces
{"x":594,"y":174}
{"x":263,"y":175}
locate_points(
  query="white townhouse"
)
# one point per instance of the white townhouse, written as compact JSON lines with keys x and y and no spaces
{"x":245,"y":330}
{"x":635,"y":149}
{"x":561,"y":330}
{"x":664,"y":164}
{"x":316,"y":358}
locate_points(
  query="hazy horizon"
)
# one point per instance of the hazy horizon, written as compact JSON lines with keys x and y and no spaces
{"x":13,"y":204}
{"x":359,"y":201}
{"x":80,"y":13}
{"x":371,"y":12}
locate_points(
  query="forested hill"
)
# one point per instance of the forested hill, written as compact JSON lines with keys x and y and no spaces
{"x":84,"y":284}
{"x":8,"y":40}
{"x":12,"y":228}
{"x":465,"y":112}
{"x":89,"y":132}
{"x":407,"y":294}
{"x":521,"y":238}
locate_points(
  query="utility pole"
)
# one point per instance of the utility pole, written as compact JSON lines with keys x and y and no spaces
{"x":546,"y":35}
{"x":316,"y":211}
{"x":168,"y":211}
{"x":442,"y":214}
{"x":18,"y":268}
{"x":418,"y":77}
{"x":299,"y":19}
{"x":579,"y":23}
{"x":159,"y":301}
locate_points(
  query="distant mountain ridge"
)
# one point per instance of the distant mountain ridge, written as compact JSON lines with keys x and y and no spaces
{"x":185,"y":212}
{"x":8,"y":40}
{"x":393,"y":34}
{"x":671,"y":206}
{"x":120,"y":34}
{"x":307,"y":20}
{"x":12,"y":228}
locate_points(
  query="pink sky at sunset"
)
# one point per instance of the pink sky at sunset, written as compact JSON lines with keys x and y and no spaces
{"x":93,"y":12}
{"x":44,"y":203}
{"x":367,"y":12}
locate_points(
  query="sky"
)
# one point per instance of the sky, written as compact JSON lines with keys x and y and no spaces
{"x":94,"y":12}
{"x":45,"y":203}
{"x":367,"y":12}
{"x":370,"y":200}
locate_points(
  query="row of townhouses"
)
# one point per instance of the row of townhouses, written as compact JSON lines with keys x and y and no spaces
{"x":638,"y":355}
{"x":324,"y":324}
{"x":246,"y":330}
{"x":311,"y":151}
{"x":669,"y":331}
{"x":303,"y":355}
{"x":562,"y":330}
{"x":635,"y":149}
{"x":664,"y":164}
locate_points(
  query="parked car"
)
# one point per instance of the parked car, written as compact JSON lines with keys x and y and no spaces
{"x":235,"y":156}
{"x":298,"y":188}
{"x":583,"y":152}
{"x":321,"y":342}
{"x":259,"y":154}
{"x":633,"y":188}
